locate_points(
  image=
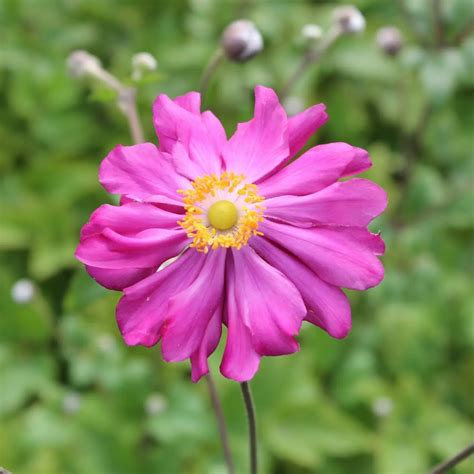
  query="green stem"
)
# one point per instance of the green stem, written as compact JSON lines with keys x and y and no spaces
{"x":249,"y":407}
{"x":220,"y":423}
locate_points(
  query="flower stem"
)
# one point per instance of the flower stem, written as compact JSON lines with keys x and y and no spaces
{"x":220,"y":423}
{"x":210,"y":69}
{"x":311,"y":56}
{"x":445,"y":466}
{"x":126,"y":101}
{"x":249,"y":407}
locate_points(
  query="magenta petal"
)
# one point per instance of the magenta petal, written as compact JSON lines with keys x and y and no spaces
{"x":118,"y":279}
{"x":301,"y":126}
{"x":328,"y":306}
{"x":142,"y":310}
{"x":319,"y":167}
{"x":361,"y":162}
{"x":208,"y":345}
{"x":135,"y":235}
{"x":190,"y":311}
{"x":140,"y":171}
{"x":354,"y":203}
{"x":341,"y":256}
{"x":190,"y":101}
{"x":202,"y":135}
{"x":260,"y":145}
{"x":264,"y":313}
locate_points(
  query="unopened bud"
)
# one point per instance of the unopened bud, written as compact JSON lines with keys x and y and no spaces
{"x":349,"y":19}
{"x":293,"y":105}
{"x":311,"y":32}
{"x":142,"y":63}
{"x":241,"y":40}
{"x":382,"y":406}
{"x":22,"y":291}
{"x":155,"y":403}
{"x":71,"y":403}
{"x":389,"y":40}
{"x":80,"y":63}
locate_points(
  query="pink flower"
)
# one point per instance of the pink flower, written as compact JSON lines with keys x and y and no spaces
{"x":263,"y":243}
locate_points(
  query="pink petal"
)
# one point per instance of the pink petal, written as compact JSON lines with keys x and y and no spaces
{"x":355,"y":203}
{"x":190,"y":311}
{"x":328,"y":306}
{"x":361,"y":162}
{"x":135,"y":235}
{"x":191,"y":101}
{"x":319,"y":167}
{"x":140,"y":171}
{"x":260,"y":145}
{"x":301,"y":126}
{"x":142,"y":310}
{"x":118,"y":279}
{"x":342,"y":256}
{"x":202,"y":135}
{"x":208,"y":345}
{"x":264,"y":313}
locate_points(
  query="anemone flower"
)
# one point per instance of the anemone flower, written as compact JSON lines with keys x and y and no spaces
{"x":213,"y":231}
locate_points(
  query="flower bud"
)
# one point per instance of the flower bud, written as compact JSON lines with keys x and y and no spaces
{"x":80,"y":63}
{"x":349,"y":19}
{"x":142,"y":63}
{"x":293,"y":105}
{"x":382,"y":406}
{"x":311,"y":32}
{"x":22,"y":291}
{"x":71,"y":403}
{"x":155,"y":403}
{"x":241,"y":40}
{"x":389,"y":40}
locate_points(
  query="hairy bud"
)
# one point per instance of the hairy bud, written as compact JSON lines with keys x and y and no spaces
{"x":311,"y":32}
{"x":389,"y":40}
{"x":80,"y":63}
{"x":241,"y":40}
{"x":349,"y":19}
{"x":23,"y":291}
{"x":142,"y":63}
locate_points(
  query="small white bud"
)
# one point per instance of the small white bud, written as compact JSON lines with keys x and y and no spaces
{"x":311,"y":32}
{"x":142,"y":63}
{"x":80,"y":63}
{"x":293,"y":104}
{"x":349,"y":19}
{"x":71,"y":403}
{"x":241,"y":40}
{"x":389,"y":40}
{"x":22,"y":291}
{"x":155,"y":403}
{"x":382,"y":406}
{"x":106,"y":343}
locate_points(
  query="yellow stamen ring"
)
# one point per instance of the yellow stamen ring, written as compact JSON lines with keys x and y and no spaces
{"x":224,"y":223}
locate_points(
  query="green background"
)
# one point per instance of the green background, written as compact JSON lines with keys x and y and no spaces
{"x":392,"y":398}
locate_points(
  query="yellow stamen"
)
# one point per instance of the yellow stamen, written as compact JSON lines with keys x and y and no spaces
{"x":224,"y":227}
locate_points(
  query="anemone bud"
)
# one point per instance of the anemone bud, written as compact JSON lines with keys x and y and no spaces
{"x":241,"y":40}
{"x":389,"y":40}
{"x":81,"y":63}
{"x":349,"y":19}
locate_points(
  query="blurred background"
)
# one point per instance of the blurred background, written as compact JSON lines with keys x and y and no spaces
{"x":395,"y":397}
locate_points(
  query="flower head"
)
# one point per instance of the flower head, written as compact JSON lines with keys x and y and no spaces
{"x":241,"y":40}
{"x":214,"y":232}
{"x":349,"y":19}
{"x":389,"y":40}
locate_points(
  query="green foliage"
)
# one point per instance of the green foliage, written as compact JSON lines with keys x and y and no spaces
{"x":393,"y":398}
